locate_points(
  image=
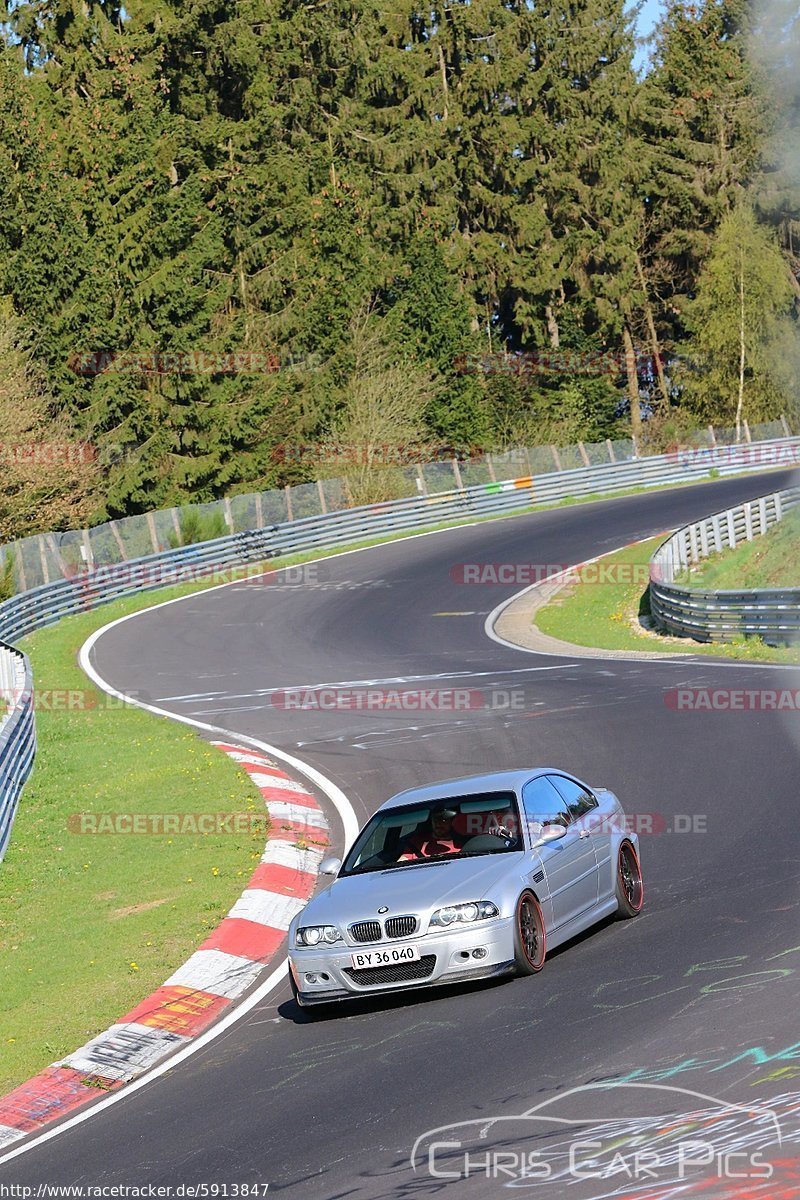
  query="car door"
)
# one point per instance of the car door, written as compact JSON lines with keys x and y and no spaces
{"x":570,"y":863}
{"x":585,"y":813}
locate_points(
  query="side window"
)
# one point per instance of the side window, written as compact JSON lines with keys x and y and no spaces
{"x":579,"y":801}
{"x":543,"y":805}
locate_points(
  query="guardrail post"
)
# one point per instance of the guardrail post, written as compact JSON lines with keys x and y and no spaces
{"x":693,"y":542}
{"x":228,"y":512}
{"x":151,"y":525}
{"x":176,"y":525}
{"x":717,"y":531}
{"x":54,"y":550}
{"x":457,"y":473}
{"x":731,"y":529}
{"x":422,"y":489}
{"x":612,"y":458}
{"x":112,"y":525}
{"x":704,"y":539}
{"x":713,"y":438}
{"x":288,"y":492}
{"x":556,"y":458}
{"x":321,"y":494}
{"x":259,"y":511}
{"x":43,"y":558}
{"x":583,"y":454}
{"x":748,"y":521}
{"x":747,"y":437}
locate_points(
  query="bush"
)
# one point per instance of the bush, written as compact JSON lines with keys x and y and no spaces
{"x":8,"y":585}
{"x":197,"y":528}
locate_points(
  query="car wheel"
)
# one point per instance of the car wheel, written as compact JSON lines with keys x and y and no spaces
{"x":630,"y":890}
{"x":529,"y":935}
{"x":295,"y":993}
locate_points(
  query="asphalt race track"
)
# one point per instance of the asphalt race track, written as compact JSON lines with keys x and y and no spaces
{"x":699,"y":994}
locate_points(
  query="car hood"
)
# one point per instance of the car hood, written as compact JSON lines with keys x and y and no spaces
{"x":418,"y":888}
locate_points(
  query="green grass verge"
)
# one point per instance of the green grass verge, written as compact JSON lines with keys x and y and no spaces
{"x":769,"y":561}
{"x":605,"y":614}
{"x":91,"y":923}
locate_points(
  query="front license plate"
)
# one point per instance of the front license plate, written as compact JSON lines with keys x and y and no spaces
{"x":384,"y":958}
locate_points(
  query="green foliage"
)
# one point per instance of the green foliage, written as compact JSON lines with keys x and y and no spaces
{"x":737,"y":320}
{"x":7,"y":585}
{"x":206,"y":178}
{"x":195,"y":527}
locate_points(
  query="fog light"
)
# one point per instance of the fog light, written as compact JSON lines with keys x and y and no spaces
{"x":481,"y":952}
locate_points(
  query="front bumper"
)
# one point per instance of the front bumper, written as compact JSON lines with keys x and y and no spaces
{"x":322,"y":975}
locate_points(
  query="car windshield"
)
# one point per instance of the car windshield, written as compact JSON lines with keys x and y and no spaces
{"x":455,"y":827}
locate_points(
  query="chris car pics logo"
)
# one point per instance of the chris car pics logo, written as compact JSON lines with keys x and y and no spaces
{"x":609,"y":1139}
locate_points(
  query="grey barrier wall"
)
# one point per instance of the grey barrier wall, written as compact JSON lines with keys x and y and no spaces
{"x":772,"y":614}
{"x":94,"y":583}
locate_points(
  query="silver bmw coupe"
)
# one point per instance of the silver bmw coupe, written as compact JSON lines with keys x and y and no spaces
{"x":465,"y":879}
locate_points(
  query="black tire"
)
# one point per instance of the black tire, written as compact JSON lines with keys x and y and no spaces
{"x":295,"y":993}
{"x":630,"y":889}
{"x":529,"y":935}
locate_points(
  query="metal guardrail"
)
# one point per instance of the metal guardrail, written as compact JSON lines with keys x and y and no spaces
{"x":706,"y":615}
{"x":222,"y":557}
{"x":17,"y":736}
{"x":45,"y":557}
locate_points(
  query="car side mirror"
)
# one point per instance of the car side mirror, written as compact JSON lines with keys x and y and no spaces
{"x":550,"y":833}
{"x":330,"y":866}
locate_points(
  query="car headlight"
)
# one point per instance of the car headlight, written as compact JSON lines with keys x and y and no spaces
{"x":475,"y":910}
{"x":313,"y":935}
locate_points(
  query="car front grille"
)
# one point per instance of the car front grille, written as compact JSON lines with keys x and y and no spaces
{"x":400,"y":926}
{"x":366,"y":931}
{"x":406,"y":972}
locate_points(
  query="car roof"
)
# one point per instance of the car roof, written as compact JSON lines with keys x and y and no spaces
{"x":494,"y":781}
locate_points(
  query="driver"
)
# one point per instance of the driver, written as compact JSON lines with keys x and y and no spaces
{"x":436,"y":836}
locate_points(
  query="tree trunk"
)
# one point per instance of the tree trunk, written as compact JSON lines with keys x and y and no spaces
{"x":654,"y":343}
{"x":633,"y":388}
{"x":552,"y":326}
{"x":740,"y":402}
{"x":445,"y":89}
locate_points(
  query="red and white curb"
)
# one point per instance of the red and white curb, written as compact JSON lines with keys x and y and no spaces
{"x":222,"y":969}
